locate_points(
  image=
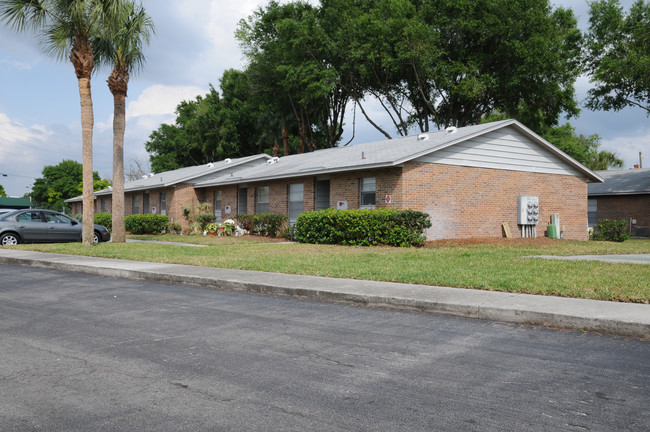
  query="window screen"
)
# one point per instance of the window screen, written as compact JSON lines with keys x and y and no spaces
{"x":217,"y":207}
{"x":296,"y":193}
{"x":262,"y":199}
{"x":367,"y":199}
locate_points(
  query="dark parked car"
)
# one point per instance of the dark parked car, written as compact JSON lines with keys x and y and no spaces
{"x":43,"y":226}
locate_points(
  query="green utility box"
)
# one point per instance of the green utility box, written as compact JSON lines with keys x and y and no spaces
{"x":553,"y":231}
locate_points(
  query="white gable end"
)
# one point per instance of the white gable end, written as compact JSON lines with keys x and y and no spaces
{"x":506,"y":149}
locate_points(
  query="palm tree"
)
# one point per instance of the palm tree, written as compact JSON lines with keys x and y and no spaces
{"x":66,"y":29}
{"x":125,"y":31}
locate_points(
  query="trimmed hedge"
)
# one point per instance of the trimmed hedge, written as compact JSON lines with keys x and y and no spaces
{"x":146,"y":223}
{"x":266,"y":224}
{"x":363,"y":227}
{"x":104,"y":219}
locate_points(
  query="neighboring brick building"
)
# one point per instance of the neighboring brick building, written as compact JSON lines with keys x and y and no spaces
{"x":467,"y":179}
{"x":624,"y":195}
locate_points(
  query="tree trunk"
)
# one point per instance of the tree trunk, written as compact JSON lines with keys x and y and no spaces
{"x":87,"y":122}
{"x":119,"y":115}
{"x":285,"y":139}
{"x":118,"y":84}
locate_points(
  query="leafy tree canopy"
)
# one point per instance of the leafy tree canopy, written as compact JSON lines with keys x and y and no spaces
{"x":430,"y":64}
{"x":2,"y":191}
{"x":618,"y":55}
{"x":581,"y":148}
{"x":61,"y":182}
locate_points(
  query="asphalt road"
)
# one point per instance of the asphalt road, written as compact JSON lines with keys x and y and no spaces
{"x":88,"y":353}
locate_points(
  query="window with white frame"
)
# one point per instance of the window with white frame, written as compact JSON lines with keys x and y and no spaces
{"x":262,"y":204}
{"x":296,"y":204}
{"x":368,"y":198}
{"x":136,"y":204}
{"x":163,"y":203}
{"x":217,"y":206}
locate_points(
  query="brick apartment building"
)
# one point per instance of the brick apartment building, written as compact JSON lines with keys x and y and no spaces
{"x":624,"y":195}
{"x":467,"y":179}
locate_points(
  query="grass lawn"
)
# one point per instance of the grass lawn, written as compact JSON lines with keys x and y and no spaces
{"x":498,"y":265}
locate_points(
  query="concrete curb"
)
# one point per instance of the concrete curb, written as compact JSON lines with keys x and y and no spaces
{"x":623,"y":319}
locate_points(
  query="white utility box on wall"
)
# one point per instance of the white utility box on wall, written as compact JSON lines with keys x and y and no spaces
{"x":528,"y":210}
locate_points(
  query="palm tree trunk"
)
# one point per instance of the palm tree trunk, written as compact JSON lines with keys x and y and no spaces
{"x":87,"y":122}
{"x":118,"y":83}
{"x":119,"y":119}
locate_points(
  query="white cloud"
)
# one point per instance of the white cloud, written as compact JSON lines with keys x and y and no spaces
{"x":161,"y":100}
{"x":628,"y":147}
{"x":14,"y":132}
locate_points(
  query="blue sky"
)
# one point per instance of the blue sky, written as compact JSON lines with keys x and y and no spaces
{"x":194,"y":44}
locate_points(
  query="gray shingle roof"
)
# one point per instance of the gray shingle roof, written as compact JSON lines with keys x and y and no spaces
{"x":182,"y":175}
{"x":622,"y":182}
{"x":373,"y":155}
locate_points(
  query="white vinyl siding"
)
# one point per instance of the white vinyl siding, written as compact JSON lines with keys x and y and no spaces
{"x":368,"y":198}
{"x":296,"y":204}
{"x":503,"y":149}
{"x":262,"y":205}
{"x":217,"y":207}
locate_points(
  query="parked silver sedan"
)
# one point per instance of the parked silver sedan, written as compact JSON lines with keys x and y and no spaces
{"x":43,"y":226}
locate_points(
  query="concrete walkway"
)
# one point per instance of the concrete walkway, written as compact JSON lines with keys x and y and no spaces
{"x":627,"y":259}
{"x":624,"y":319}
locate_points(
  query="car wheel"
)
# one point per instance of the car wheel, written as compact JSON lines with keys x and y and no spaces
{"x":96,"y":238}
{"x":9,"y":239}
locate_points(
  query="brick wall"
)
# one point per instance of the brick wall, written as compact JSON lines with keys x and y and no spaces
{"x":469,"y":202}
{"x":626,"y":207}
{"x":346,"y":187}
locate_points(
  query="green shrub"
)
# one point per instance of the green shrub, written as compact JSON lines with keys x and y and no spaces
{"x":174,"y":228}
{"x":104,"y":219}
{"x":363,"y":227}
{"x":146,"y":223}
{"x":610,"y":230}
{"x":265,"y":224}
{"x":201,"y":214}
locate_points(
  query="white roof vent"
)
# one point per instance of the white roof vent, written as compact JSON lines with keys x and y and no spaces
{"x":151,"y":174}
{"x":144,"y":176}
{"x":228,"y":160}
{"x":451,"y":130}
{"x":210,"y":165}
{"x":423,"y":137}
{"x":273,"y":160}
{"x":110,"y":188}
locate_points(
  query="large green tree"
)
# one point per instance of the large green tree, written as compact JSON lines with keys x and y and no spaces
{"x":2,"y":191}
{"x":66,"y":29}
{"x":440,"y":63}
{"x":125,"y":29}
{"x":293,"y":63}
{"x":212,"y":127}
{"x":60,"y":182}
{"x":584,"y":149}
{"x":618,"y":55}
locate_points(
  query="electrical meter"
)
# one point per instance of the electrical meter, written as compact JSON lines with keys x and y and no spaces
{"x":528,"y":210}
